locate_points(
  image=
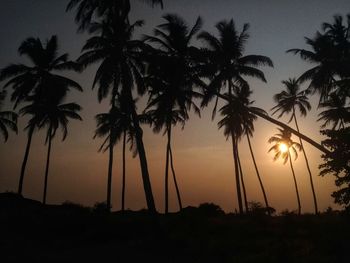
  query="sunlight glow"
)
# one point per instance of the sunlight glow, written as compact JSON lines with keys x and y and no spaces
{"x":283,"y":147}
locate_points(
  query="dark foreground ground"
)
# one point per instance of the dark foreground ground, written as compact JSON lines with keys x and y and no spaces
{"x":30,"y":232}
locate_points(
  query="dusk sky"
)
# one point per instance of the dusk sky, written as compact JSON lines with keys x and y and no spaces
{"x":203,"y":158}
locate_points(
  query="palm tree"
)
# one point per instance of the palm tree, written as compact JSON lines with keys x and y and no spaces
{"x":283,"y":145}
{"x":113,"y":125}
{"x":226,"y":67}
{"x":8,"y":119}
{"x":120,"y":71}
{"x":171,"y":77}
{"x":39,"y":79}
{"x":330,"y":51}
{"x":287,"y":101}
{"x":52,"y":115}
{"x":337,"y":112}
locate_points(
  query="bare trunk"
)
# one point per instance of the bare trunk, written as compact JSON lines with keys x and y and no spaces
{"x":307,"y":165}
{"x":242,"y":181}
{"x":110,"y":171}
{"x":124,"y":169}
{"x":143,"y":159}
{"x":175,"y":181}
{"x":295,"y":183}
{"x":25,"y":159}
{"x":257,"y":173}
{"x":166,"y":176}
{"x":238,"y":185}
{"x":47,"y":167}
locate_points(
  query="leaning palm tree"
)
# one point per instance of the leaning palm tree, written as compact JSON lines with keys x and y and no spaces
{"x":113,"y":125}
{"x":283,"y":146}
{"x":171,"y":78}
{"x":120,"y":70}
{"x":287,"y":102}
{"x":39,"y":79}
{"x":226,"y":66}
{"x":337,"y":112}
{"x":8,"y":119}
{"x":53,"y":115}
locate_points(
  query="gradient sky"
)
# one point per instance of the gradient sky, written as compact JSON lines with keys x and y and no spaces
{"x":203,"y":157}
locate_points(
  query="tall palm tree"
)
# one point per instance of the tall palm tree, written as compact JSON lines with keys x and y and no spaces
{"x":171,"y":78}
{"x":53,"y":115}
{"x":8,"y":119}
{"x":287,"y":101}
{"x":337,"y":112}
{"x":226,"y":66}
{"x":283,"y":146}
{"x":113,"y":125}
{"x":39,"y":79}
{"x":248,"y":119}
{"x":120,"y":71}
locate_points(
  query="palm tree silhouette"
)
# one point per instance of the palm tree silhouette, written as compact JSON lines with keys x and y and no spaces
{"x":329,"y":50}
{"x":120,"y":71}
{"x":39,"y":80}
{"x":282,"y":147}
{"x":113,"y":125}
{"x":87,"y":10}
{"x":287,"y":101}
{"x":53,"y":115}
{"x":8,"y":119}
{"x":226,"y":67}
{"x":171,"y":77}
{"x":337,"y":112}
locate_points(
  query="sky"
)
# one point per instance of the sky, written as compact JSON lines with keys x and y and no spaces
{"x":202,"y":155}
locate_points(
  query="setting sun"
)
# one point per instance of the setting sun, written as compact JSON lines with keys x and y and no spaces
{"x":283,"y":147}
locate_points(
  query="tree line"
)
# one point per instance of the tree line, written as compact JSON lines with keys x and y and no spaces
{"x":177,"y":77}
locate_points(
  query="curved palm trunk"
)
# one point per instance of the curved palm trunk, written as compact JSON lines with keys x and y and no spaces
{"x":238,"y":184}
{"x":143,"y":159}
{"x":47,"y":167}
{"x":281,"y":124}
{"x":307,"y":165}
{"x":295,"y":183}
{"x":242,"y":181}
{"x":257,"y":173}
{"x":110,"y":171}
{"x":124,"y":170}
{"x":25,"y":159}
{"x":166,"y":186}
{"x":175,"y":181}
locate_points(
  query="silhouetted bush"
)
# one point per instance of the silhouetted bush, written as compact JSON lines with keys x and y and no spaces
{"x":256,"y":208}
{"x":210,"y":210}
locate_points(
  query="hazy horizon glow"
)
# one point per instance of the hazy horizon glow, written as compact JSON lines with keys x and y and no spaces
{"x":203,"y":157}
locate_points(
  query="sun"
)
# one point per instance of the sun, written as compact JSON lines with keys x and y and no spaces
{"x":283,"y":147}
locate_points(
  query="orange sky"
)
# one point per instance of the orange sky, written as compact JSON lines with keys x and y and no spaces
{"x":203,"y":158}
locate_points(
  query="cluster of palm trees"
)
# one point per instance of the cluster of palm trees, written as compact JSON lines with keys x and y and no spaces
{"x":174,"y":74}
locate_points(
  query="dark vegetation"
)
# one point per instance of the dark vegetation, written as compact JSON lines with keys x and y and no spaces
{"x":69,"y":232}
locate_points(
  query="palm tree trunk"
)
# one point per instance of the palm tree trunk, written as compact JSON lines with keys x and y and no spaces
{"x":284,"y":126}
{"x":110,"y":171}
{"x":47,"y":166}
{"x":238,"y":185}
{"x":257,"y":173}
{"x":307,"y":165}
{"x":124,"y":170}
{"x":166,"y":186}
{"x":25,"y":159}
{"x":142,"y":156}
{"x":175,"y":181}
{"x":295,"y":183}
{"x":242,"y":181}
